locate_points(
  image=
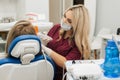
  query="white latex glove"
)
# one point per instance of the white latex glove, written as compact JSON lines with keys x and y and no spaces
{"x":44,"y":38}
{"x":47,"y":50}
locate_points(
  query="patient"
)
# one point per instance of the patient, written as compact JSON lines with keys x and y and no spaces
{"x":24,"y":38}
{"x":22,"y":27}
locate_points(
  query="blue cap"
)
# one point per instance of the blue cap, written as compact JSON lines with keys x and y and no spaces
{"x":111,"y":43}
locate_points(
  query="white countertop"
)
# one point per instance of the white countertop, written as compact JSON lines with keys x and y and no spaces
{"x":6,"y":26}
{"x":41,"y":25}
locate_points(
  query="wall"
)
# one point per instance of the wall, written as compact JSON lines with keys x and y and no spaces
{"x":20,"y":5}
{"x":54,"y":6}
{"x":8,"y":8}
{"x":107,"y":15}
{"x":67,"y":4}
{"x":38,"y":6}
{"x":18,"y":8}
{"x":57,"y":8}
{"x":91,"y":6}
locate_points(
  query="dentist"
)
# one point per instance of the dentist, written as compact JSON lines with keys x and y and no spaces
{"x":70,"y":39}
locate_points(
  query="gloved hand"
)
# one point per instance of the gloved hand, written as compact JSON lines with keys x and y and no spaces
{"x":44,"y":38}
{"x":47,"y":50}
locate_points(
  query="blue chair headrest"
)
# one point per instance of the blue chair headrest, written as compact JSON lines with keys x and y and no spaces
{"x":21,"y":38}
{"x":25,"y":47}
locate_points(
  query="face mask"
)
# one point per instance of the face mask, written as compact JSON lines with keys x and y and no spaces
{"x":65,"y":26}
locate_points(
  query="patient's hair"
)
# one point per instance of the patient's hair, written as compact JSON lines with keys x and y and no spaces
{"x":22,"y":27}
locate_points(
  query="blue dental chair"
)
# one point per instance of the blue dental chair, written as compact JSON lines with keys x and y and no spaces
{"x":25,"y":62}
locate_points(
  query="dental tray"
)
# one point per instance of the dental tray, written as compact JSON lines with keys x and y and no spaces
{"x":85,"y":71}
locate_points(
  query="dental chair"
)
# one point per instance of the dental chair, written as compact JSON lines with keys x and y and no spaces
{"x":25,"y":62}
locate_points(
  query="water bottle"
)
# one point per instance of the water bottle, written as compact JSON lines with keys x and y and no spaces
{"x":111,"y":50}
{"x":111,"y":65}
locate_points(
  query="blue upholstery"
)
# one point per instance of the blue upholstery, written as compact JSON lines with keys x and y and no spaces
{"x":17,"y":61}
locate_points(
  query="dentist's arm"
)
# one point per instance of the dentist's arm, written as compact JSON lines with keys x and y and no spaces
{"x":58,"y":59}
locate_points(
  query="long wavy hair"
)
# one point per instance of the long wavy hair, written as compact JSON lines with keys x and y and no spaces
{"x":80,"y":29}
{"x":22,"y":27}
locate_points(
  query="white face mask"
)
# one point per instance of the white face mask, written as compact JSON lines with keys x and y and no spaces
{"x":65,"y":26}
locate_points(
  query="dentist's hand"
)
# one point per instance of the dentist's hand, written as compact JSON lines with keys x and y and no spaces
{"x":47,"y":50}
{"x":44,"y":38}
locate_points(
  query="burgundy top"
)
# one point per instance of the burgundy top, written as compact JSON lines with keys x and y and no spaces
{"x":62,"y":47}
